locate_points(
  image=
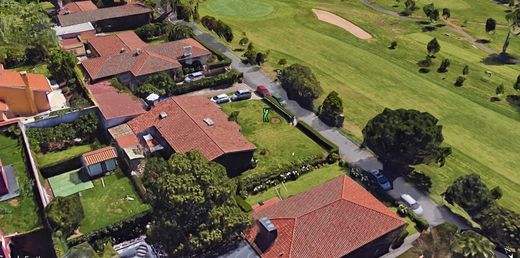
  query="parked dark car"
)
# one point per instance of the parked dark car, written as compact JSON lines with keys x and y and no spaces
{"x":241,"y":95}
{"x":263,"y":91}
{"x":378,"y":177}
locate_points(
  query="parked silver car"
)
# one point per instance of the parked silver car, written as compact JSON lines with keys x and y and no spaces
{"x":412,"y":203}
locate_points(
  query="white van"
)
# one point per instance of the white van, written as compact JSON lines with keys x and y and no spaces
{"x":412,"y":203}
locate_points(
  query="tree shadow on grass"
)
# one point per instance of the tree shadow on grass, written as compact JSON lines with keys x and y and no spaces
{"x":483,"y":41}
{"x":428,"y":28}
{"x":501,"y":59}
{"x":514,"y":101}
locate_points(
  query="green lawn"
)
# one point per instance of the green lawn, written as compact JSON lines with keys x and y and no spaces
{"x":39,"y":69}
{"x":241,"y":8}
{"x":104,"y":206}
{"x":484,"y":135}
{"x":276,"y":144}
{"x":21,"y":213}
{"x":69,"y":183}
{"x":53,"y":158}
{"x":411,"y":225}
{"x":305,"y":182}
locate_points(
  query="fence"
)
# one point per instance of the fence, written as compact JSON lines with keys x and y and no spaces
{"x":56,"y":120}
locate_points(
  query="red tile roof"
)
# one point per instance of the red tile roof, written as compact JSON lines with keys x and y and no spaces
{"x":79,"y":6}
{"x":100,"y":155}
{"x":184,"y":128}
{"x":113,"y":44}
{"x":151,"y":59}
{"x":330,"y":220}
{"x":14,"y":79}
{"x":115,"y":104}
{"x":3,"y":106}
{"x":103,"y":14}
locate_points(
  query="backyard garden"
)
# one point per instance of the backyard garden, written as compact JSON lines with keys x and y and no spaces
{"x":369,"y":76}
{"x":20,"y":214}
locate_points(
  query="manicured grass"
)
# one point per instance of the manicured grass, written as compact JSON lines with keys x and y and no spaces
{"x":241,"y":8}
{"x":53,"y":158}
{"x":276,"y":144}
{"x":39,"y":69}
{"x":21,"y":213}
{"x":69,"y":183}
{"x":104,"y":206}
{"x":305,"y":182}
{"x":484,"y":135}
{"x":411,"y":225}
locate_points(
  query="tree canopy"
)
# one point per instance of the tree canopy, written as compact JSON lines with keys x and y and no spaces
{"x":470,"y":193}
{"x":194,"y":208}
{"x":405,"y":137}
{"x":332,"y":109}
{"x":470,"y":244}
{"x":433,"y":47}
{"x":61,"y":65}
{"x":64,"y":214}
{"x":178,"y":31}
{"x":301,"y":84}
{"x":490,"y":25}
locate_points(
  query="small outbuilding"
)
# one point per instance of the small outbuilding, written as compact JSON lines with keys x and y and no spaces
{"x":100,"y":161}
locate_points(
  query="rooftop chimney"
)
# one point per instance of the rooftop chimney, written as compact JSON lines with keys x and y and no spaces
{"x":163,"y":115}
{"x":187,"y":50}
{"x":122,"y":50}
{"x":209,"y":121}
{"x":266,"y":235}
{"x":138,"y":51}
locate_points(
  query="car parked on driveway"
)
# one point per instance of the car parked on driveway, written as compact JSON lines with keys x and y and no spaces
{"x":280,"y":100}
{"x":222,"y":98}
{"x":263,"y":91}
{"x":241,"y":95}
{"x":378,"y":177}
{"x":412,"y":203}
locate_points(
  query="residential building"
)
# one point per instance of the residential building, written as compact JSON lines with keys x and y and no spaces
{"x":74,"y":7}
{"x":22,"y":93}
{"x":73,"y":38}
{"x":123,"y":17}
{"x":184,"y":123}
{"x":5,"y":249}
{"x":99,"y":161}
{"x":336,"y":219}
{"x":129,"y":59}
{"x":116,"y":107}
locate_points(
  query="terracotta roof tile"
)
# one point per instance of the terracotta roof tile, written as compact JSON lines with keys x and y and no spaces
{"x":184,"y":128}
{"x":103,"y":14}
{"x":330,"y":220}
{"x":127,"y":141}
{"x":115,"y":104}
{"x":3,"y":106}
{"x":99,"y":155}
{"x":113,"y":44}
{"x":78,"y":6}
{"x":37,"y":82}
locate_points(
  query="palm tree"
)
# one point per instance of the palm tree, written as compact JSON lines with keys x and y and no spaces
{"x":513,"y":18}
{"x":436,"y":242}
{"x":470,"y":244}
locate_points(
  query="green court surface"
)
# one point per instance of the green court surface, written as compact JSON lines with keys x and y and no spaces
{"x":241,"y":8}
{"x":69,"y":183}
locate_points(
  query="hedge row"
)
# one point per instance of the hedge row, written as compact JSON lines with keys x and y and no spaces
{"x":317,"y":137}
{"x":224,"y":60}
{"x":420,"y":222}
{"x":255,"y":183}
{"x":244,"y":206}
{"x":279,"y":108}
{"x":119,"y":232}
{"x":219,"y":80}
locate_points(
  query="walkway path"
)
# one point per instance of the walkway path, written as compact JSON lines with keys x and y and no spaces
{"x":452,"y":26}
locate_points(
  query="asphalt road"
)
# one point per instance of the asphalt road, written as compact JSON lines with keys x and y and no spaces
{"x":348,"y":150}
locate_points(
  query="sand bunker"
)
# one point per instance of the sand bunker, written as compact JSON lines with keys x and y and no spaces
{"x":342,"y":23}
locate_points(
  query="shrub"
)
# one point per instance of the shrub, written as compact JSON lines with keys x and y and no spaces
{"x":393,"y":45}
{"x":148,"y":31}
{"x":460,"y":81}
{"x":209,"y":22}
{"x":233,"y":116}
{"x":332,"y":110}
{"x":178,"y":32}
{"x":444,"y":66}
{"x":244,"y":206}
{"x":221,"y":79}
{"x":64,"y":214}
{"x":243,"y":41}
{"x":419,"y":179}
{"x":422,"y":223}
{"x":146,"y":89}
{"x":301,"y":85}
{"x":332,"y":157}
{"x":496,"y":193}
{"x":465,"y":70}
{"x":400,"y":239}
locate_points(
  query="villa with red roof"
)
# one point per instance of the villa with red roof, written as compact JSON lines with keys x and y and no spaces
{"x":22,"y":93}
{"x":336,"y":219}
{"x":74,"y":7}
{"x":128,"y":58}
{"x":116,"y":107}
{"x":184,"y":123}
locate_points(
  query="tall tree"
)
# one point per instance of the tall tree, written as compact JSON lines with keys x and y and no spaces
{"x":331,"y":109}
{"x":61,"y":65}
{"x":470,"y":244}
{"x":444,"y":66}
{"x":194,"y":209}
{"x":446,"y":13}
{"x":491,"y":24}
{"x":301,"y":84}
{"x":64,"y":214}
{"x":433,"y":47}
{"x":470,"y":193}
{"x":513,"y":18}
{"x":178,"y":31}
{"x":405,"y":137}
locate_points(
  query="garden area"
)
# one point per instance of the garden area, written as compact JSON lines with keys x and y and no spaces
{"x":112,"y":199}
{"x":278,"y":144}
{"x":20,"y":214}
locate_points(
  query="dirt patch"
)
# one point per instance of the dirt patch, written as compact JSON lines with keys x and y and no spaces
{"x":342,"y":23}
{"x":13,"y":202}
{"x":275,"y":120}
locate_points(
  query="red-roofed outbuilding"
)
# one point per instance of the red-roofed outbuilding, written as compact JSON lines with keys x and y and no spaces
{"x":336,"y":219}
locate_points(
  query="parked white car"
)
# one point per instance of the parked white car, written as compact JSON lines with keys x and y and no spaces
{"x":412,"y":203}
{"x":194,"y":76}
{"x":222,"y":98}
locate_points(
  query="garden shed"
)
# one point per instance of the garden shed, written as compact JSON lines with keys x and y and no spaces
{"x":99,"y":161}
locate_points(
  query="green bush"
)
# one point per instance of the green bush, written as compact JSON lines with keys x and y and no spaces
{"x":317,"y":137}
{"x":422,"y":223}
{"x":244,"y":206}
{"x":219,"y":80}
{"x":64,"y":214}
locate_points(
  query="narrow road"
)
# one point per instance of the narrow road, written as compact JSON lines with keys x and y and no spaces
{"x":349,"y":151}
{"x":452,"y":26}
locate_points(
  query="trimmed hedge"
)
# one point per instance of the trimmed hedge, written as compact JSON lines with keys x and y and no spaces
{"x":224,"y":60}
{"x":279,"y":108}
{"x":255,"y":183}
{"x":221,"y":79}
{"x":244,"y":206}
{"x":119,"y":232}
{"x":317,"y":137}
